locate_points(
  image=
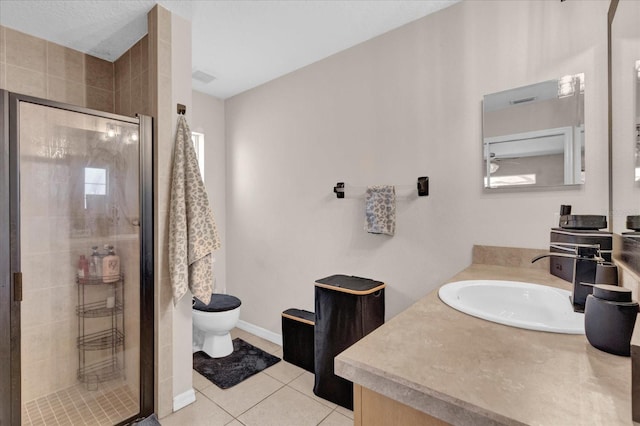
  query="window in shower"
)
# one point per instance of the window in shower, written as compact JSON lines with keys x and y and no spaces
{"x":95,"y":183}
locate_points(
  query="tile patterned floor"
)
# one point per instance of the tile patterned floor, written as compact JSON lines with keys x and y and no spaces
{"x":110,"y":404}
{"x":281,"y":395}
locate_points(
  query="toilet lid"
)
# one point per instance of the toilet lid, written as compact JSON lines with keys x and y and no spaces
{"x":218,"y":303}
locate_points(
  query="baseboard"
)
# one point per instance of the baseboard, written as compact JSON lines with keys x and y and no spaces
{"x":260,"y":332}
{"x":184,"y":399}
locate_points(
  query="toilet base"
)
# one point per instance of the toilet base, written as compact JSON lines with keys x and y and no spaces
{"x":217,"y":345}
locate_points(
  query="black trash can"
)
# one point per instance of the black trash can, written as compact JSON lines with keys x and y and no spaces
{"x":347,"y":309}
{"x":298,"y":338}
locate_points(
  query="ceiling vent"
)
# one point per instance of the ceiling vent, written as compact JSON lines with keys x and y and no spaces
{"x":202,"y":76}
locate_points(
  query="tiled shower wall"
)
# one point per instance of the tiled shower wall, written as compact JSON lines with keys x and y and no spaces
{"x":36,"y":67}
{"x":131,"y":78}
{"x":139,"y":81}
{"x":143,"y":85}
{"x":48,"y":323}
{"x":131,"y":97}
{"x":159,"y":29}
{"x":55,"y":231}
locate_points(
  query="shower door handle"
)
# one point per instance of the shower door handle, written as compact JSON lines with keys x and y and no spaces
{"x":17,"y":286}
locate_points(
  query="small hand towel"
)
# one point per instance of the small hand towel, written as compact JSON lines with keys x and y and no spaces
{"x":193,"y":235}
{"x":380,"y":210}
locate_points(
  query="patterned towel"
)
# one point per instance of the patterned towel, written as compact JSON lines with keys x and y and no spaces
{"x":192,"y":229}
{"x":380,"y":210}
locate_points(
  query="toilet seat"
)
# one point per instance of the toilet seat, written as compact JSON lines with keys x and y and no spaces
{"x":213,"y":323}
{"x":218,"y":303}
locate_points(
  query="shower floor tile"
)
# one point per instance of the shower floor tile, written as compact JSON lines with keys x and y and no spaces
{"x":110,"y":404}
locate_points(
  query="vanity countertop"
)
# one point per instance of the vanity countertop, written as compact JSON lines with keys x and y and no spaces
{"x":466,"y":370}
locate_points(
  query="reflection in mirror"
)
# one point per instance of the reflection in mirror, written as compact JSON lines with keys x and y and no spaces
{"x":99,"y":164}
{"x":637,"y":117}
{"x":534,"y":135}
{"x":625,"y":116}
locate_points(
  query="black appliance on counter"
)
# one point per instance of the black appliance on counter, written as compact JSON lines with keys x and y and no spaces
{"x":578,"y":233}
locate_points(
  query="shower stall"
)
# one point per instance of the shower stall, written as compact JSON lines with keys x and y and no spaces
{"x":76,"y":239}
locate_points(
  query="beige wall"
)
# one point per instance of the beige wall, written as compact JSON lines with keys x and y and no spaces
{"x":208,"y":118}
{"x":159,"y":30}
{"x":403,"y":105}
{"x":183,"y":393}
{"x":169,"y":40}
{"x":36,"y":67}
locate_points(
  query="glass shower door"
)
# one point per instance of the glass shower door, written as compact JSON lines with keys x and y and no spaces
{"x":79,"y":250}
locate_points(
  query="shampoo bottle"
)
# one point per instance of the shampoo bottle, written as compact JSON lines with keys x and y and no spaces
{"x":111,"y":298}
{"x":110,"y":266}
{"x":95,"y":265}
{"x":83,"y":268}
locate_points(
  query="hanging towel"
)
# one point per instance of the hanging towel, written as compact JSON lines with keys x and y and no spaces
{"x":192,"y":229}
{"x":380,"y":210}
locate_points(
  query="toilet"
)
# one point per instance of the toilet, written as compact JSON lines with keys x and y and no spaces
{"x":212,"y":324}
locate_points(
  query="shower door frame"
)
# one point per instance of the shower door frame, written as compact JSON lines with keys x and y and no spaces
{"x":10,"y":269}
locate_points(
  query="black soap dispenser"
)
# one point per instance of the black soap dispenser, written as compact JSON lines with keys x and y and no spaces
{"x":609,"y":318}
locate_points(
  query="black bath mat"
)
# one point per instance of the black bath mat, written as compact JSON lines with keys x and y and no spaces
{"x":245,"y":361}
{"x":152,"y":420}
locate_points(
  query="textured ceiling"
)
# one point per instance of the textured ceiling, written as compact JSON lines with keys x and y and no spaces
{"x":242,"y":43}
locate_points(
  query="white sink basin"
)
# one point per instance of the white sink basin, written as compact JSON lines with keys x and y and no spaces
{"x":517,"y":304}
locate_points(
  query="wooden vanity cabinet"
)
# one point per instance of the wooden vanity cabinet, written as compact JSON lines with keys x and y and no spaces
{"x":373,"y":409}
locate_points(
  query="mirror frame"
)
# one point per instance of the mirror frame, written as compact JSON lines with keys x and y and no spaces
{"x":613,"y":6}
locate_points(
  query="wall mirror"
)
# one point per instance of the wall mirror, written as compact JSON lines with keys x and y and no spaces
{"x":637,"y":121}
{"x":533,"y":136}
{"x":625,"y":113}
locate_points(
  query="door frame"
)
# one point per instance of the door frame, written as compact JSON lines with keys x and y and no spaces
{"x":10,"y":287}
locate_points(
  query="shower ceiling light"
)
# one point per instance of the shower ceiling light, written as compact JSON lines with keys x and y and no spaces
{"x":111,"y":131}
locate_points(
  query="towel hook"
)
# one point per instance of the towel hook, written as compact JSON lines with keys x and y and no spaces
{"x":339,"y":189}
{"x":423,"y":186}
{"x":182,"y":109}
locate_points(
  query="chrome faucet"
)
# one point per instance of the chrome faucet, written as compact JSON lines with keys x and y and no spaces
{"x":589,"y":268}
